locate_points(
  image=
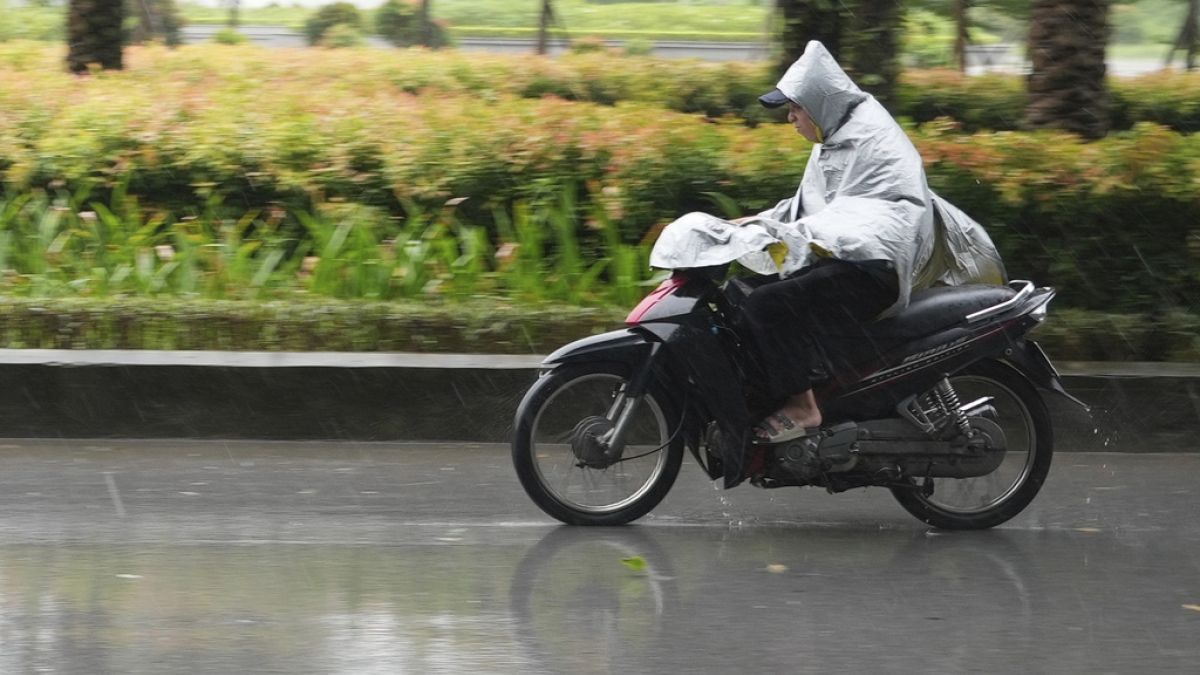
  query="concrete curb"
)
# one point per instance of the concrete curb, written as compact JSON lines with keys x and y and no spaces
{"x":1137,"y":407}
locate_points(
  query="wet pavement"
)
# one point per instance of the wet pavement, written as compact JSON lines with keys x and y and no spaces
{"x":212,"y":557}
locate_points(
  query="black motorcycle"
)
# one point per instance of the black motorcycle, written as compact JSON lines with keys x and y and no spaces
{"x":940,"y":404}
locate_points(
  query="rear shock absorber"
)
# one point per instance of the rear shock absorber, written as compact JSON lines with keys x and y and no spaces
{"x":951,"y":405}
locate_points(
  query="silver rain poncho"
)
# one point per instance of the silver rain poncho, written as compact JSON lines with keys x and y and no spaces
{"x":863,"y":197}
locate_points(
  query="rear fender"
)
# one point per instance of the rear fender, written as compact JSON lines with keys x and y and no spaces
{"x":1027,"y":356}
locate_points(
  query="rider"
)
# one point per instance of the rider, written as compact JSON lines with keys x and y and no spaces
{"x":864,"y":231}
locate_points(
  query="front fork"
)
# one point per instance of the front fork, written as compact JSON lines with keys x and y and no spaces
{"x":621,"y":412}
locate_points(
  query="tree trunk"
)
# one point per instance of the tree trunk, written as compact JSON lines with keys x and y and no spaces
{"x":863,"y":35}
{"x":234,"y":6}
{"x":1193,"y":32}
{"x":544,"y":21}
{"x":426,"y":24}
{"x":1189,"y":36}
{"x":804,"y":20}
{"x":1067,"y":89}
{"x":871,"y":45}
{"x":961,"y":36}
{"x":94,"y":34}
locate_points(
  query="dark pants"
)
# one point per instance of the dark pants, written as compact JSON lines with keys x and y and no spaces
{"x":785,"y":316}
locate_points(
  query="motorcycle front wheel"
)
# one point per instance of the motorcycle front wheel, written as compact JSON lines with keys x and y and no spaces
{"x":563,"y":468}
{"x":987,"y":501}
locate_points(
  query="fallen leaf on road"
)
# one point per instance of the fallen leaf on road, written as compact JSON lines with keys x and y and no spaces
{"x":1089,"y":530}
{"x":637,"y":563}
{"x":1194,"y":608}
{"x":776,"y":568}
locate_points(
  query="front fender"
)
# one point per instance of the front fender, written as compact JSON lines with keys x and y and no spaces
{"x":622,"y":346}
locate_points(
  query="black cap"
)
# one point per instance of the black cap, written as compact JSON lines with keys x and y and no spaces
{"x":773,"y":99}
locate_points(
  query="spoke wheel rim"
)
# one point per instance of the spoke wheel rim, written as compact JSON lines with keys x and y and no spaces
{"x":1011,"y":410}
{"x":586,"y":478}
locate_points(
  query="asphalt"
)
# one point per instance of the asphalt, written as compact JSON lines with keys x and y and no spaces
{"x":1136,"y":407}
{"x":249,"y":557}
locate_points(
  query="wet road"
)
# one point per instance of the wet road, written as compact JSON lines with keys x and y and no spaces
{"x":209,"y":557}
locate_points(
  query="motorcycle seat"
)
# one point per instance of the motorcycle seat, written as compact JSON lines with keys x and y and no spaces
{"x":929,"y":311}
{"x":935,"y":309}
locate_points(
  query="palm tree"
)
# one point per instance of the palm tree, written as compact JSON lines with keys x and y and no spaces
{"x":863,"y":35}
{"x":94,"y":34}
{"x":1067,"y":89}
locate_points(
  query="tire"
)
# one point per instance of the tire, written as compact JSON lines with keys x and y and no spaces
{"x":548,"y":422}
{"x":1029,"y":441}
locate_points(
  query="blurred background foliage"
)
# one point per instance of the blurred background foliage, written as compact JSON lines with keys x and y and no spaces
{"x":223,"y":173}
{"x":215,"y":132}
{"x":1139,"y":27}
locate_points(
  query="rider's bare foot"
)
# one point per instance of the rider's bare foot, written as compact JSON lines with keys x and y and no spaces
{"x":800,"y":409}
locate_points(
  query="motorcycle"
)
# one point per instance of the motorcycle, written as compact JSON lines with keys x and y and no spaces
{"x":941,"y":404}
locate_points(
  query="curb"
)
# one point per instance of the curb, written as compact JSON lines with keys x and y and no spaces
{"x":356,"y":396}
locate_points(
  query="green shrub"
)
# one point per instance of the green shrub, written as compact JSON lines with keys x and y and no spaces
{"x":342,"y":35}
{"x":229,"y":36}
{"x":397,"y":22}
{"x":928,"y":39}
{"x":588,"y":45}
{"x":637,"y":47}
{"x":485,"y":325}
{"x":1108,"y":222}
{"x":997,"y":102}
{"x":153,"y":20}
{"x":329,"y":16}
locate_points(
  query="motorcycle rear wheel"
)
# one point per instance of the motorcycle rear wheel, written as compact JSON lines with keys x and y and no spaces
{"x":987,"y":501}
{"x":546,"y":449}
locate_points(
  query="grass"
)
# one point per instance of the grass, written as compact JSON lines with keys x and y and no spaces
{"x":698,"y":16}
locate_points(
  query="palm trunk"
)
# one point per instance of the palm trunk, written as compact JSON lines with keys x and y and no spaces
{"x":871,"y":45}
{"x":94,"y":34}
{"x":1067,"y":88}
{"x":961,"y":37}
{"x":863,"y":35}
{"x":426,"y":24}
{"x":1189,"y":36}
{"x":804,"y":20}
{"x":544,"y":21}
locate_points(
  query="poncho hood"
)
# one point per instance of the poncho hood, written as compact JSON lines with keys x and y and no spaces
{"x":816,"y":82}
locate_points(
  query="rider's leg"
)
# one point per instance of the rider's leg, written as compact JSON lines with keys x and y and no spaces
{"x":782,"y":317}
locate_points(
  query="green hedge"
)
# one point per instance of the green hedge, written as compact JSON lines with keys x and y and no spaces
{"x":1112,"y":223}
{"x":991,"y":102}
{"x":997,"y":102}
{"x":494,"y":327}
